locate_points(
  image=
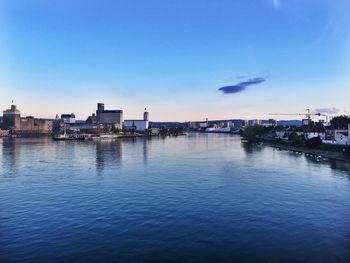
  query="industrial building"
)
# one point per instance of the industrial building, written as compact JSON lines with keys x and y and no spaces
{"x":32,"y":125}
{"x":13,"y":121}
{"x":137,"y":125}
{"x":109,"y":117}
{"x":91,"y":119}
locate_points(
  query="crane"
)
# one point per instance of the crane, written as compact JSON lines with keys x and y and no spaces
{"x":307,"y":114}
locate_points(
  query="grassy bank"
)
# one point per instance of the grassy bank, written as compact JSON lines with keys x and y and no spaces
{"x":328,"y":151}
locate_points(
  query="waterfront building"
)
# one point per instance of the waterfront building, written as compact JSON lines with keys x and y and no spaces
{"x":203,"y":124}
{"x":193,"y":125}
{"x":198,"y":125}
{"x":30,"y":124}
{"x":137,"y":125}
{"x":239,"y":123}
{"x":68,"y":118}
{"x":232,"y":123}
{"x":91,"y":119}
{"x":11,"y":118}
{"x":13,"y":121}
{"x":342,"y":138}
{"x":109,"y":117}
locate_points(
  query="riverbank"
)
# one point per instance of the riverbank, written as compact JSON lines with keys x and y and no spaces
{"x":308,"y":151}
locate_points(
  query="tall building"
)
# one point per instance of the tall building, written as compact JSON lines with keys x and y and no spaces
{"x":11,"y":118}
{"x":100,"y":109}
{"x":110,"y":117}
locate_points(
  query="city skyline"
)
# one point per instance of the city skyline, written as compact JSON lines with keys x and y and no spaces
{"x":183,"y":60}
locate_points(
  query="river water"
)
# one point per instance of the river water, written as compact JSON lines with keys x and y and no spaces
{"x":195,"y":198}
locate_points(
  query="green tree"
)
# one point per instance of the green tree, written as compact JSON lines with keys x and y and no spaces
{"x":251,"y":134}
{"x":295,"y":139}
{"x":340,"y":122}
{"x":313,"y":142}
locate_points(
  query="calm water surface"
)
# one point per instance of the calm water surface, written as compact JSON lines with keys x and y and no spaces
{"x":199,"y":198}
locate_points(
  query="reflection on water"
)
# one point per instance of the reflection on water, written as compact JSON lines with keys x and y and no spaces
{"x":251,"y":148}
{"x":10,"y":152}
{"x":340,"y":165}
{"x":109,"y":152}
{"x":196,"y":198}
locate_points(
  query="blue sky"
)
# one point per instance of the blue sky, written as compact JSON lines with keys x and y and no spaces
{"x":62,"y":56}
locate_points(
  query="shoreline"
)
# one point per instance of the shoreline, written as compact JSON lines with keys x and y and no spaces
{"x":332,"y":155}
{"x":313,"y":152}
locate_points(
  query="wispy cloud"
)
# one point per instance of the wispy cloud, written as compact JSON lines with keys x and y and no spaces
{"x":241,"y":86}
{"x":328,"y":110}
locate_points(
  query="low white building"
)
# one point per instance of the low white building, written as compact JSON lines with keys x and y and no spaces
{"x":203,"y":124}
{"x":342,"y":138}
{"x":137,"y":125}
{"x":310,"y":135}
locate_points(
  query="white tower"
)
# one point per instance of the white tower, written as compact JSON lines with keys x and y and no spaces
{"x":145,"y":115}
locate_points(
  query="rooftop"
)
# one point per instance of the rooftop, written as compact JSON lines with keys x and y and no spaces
{"x":112,"y":111}
{"x":135,"y":120}
{"x":71,"y":115}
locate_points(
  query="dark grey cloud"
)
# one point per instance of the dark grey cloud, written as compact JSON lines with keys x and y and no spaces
{"x":241,"y":86}
{"x":328,"y":110}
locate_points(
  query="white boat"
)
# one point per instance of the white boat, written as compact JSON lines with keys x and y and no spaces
{"x":63,"y":137}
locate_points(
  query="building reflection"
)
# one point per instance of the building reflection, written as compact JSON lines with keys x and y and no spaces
{"x":108,"y":154}
{"x":145,"y":149}
{"x":139,"y":146}
{"x":251,"y":148}
{"x":340,"y":165}
{"x":10,"y":155}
